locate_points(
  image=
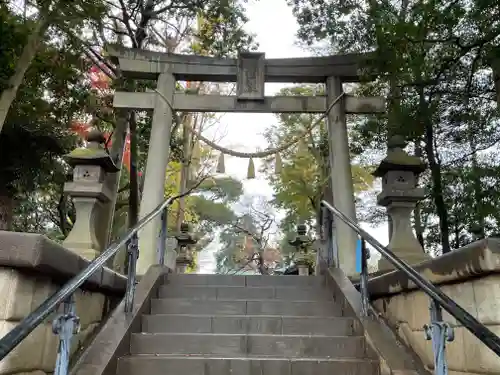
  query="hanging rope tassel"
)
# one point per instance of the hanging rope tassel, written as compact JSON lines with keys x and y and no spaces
{"x":221,"y":166}
{"x":278,"y":164}
{"x":251,"y":169}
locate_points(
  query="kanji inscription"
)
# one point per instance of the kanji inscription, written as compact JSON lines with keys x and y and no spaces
{"x":251,"y":67}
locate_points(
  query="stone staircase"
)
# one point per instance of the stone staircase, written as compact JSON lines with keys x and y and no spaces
{"x":247,"y":325}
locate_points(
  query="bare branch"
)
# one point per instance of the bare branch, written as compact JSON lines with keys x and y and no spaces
{"x":126,"y":22}
{"x":170,"y":6}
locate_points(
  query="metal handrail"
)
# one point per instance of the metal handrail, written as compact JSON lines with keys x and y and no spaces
{"x":478,"y":329}
{"x":28,"y":324}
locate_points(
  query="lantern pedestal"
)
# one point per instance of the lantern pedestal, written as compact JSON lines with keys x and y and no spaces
{"x":303,"y":267}
{"x":184,"y":239}
{"x":182,"y":263}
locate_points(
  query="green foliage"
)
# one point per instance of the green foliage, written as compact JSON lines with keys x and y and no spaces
{"x":344,"y":24}
{"x":471,"y":195}
{"x":13,"y":34}
{"x":220,"y":32}
{"x":305,"y":174}
{"x":217,"y":213}
{"x":226,"y":189}
{"x":36,"y":133}
{"x":213,"y":208}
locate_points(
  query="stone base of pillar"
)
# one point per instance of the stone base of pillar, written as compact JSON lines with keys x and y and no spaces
{"x":412,"y":259}
{"x":80,"y":249}
{"x":89,"y":254}
{"x":170,"y":259}
{"x":182,"y":263}
{"x":303,"y":267}
{"x":181,"y":268}
{"x":303,"y":270}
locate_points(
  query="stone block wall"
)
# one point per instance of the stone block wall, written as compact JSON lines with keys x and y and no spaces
{"x":471,"y":277}
{"x":32,"y":268}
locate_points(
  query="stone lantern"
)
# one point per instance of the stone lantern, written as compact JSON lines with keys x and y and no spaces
{"x":301,"y":242}
{"x":400,"y":194}
{"x":184,"y":239}
{"x":90,"y":166}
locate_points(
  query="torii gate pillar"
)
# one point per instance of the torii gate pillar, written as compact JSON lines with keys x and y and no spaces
{"x":156,"y":168}
{"x":341,"y":177}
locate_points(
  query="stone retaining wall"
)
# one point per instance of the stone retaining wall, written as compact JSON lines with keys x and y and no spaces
{"x":31,"y":269}
{"x":471,"y":277}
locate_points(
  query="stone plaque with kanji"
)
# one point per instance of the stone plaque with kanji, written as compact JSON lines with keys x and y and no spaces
{"x":251,"y":79}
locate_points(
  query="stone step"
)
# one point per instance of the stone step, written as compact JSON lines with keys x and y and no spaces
{"x":245,"y":293}
{"x":254,"y":345}
{"x":235,"y":280}
{"x":237,"y":324}
{"x":263,"y":307}
{"x":177,"y":365}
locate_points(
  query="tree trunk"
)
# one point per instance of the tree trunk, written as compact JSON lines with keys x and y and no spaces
{"x":133,"y":199}
{"x":478,"y":227}
{"x":457,"y":235}
{"x":6,"y":211}
{"x":111,"y":180}
{"x":394,"y":115}
{"x":186,"y":161}
{"x":22,"y":65}
{"x":437,"y":183}
{"x":419,"y":228}
{"x":394,"y":120}
{"x":437,"y":191}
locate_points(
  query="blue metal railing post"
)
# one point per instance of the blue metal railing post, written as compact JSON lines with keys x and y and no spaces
{"x":333,"y":243}
{"x":133,"y":254}
{"x":328,"y":228}
{"x":325,"y":237}
{"x":439,"y":332}
{"x":65,"y":325}
{"x":162,"y":246}
{"x":363,"y":281}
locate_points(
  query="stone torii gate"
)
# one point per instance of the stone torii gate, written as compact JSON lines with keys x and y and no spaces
{"x":251,"y":70}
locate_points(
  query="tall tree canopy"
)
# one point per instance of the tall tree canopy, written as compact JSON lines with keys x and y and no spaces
{"x":433,"y":59}
{"x":36,"y":131}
